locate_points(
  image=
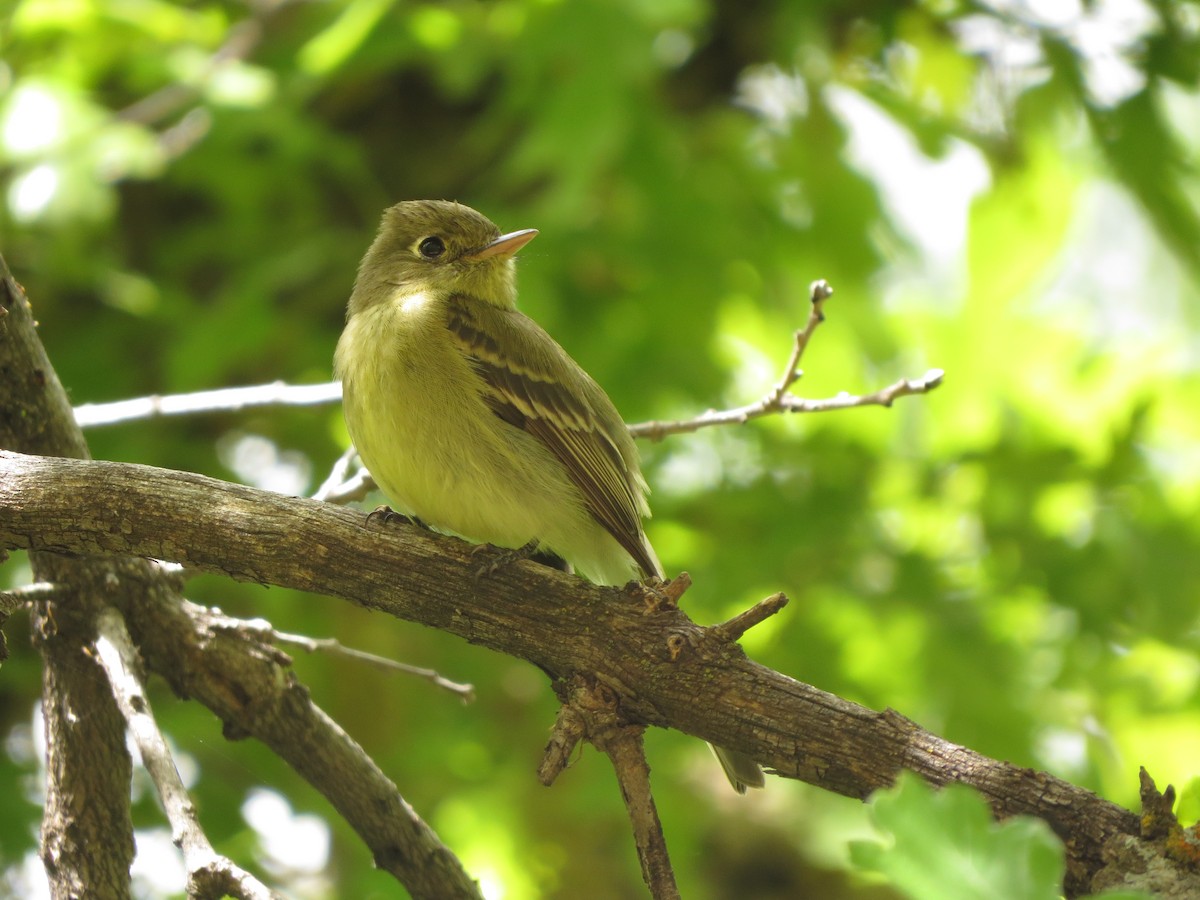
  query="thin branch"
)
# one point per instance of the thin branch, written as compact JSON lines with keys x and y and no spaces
{"x":353,"y":489}
{"x":193,"y":648}
{"x":12,"y":600}
{"x":465,"y":692}
{"x":625,"y":749}
{"x":780,"y":399}
{"x":734,"y":628}
{"x":206,"y":869}
{"x":591,"y":711}
{"x":338,"y":473}
{"x":819,"y":293}
{"x":277,"y":393}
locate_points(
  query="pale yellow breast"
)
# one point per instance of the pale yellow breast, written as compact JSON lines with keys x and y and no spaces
{"x":415,"y":414}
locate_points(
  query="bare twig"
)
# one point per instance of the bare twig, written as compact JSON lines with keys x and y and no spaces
{"x":569,"y":729}
{"x":780,"y":400}
{"x":355,"y":488}
{"x":596,"y":707}
{"x":11,"y":601}
{"x":18,"y":597}
{"x":341,"y":488}
{"x":734,"y":628}
{"x":819,"y":292}
{"x":206,"y":869}
{"x":465,"y":692}
{"x":338,"y":473}
{"x":625,"y":749}
{"x":91,"y":415}
{"x":261,"y":629}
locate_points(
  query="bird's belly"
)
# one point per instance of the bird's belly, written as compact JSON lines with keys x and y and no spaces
{"x":438,"y":453}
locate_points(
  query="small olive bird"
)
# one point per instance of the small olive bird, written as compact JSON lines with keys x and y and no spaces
{"x":472,"y":419}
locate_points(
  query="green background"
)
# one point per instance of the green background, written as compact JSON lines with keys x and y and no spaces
{"x":1004,"y":191}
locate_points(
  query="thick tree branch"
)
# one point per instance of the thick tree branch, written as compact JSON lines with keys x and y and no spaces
{"x":655,"y":659}
{"x":87,"y":833}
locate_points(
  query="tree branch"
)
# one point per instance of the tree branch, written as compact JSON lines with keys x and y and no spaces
{"x":780,"y":399}
{"x":251,"y":687}
{"x":622,"y":743}
{"x":339,"y":490}
{"x":235,"y":399}
{"x":87,"y":832}
{"x":209,"y":875}
{"x":656,"y":660}
{"x":464,"y":692}
{"x":87,"y":840}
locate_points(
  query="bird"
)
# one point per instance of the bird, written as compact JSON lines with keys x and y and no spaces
{"x":474,"y":421}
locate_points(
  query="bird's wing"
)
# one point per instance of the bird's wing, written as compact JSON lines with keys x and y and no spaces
{"x":575,"y":421}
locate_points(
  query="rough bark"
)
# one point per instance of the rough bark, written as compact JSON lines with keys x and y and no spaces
{"x":87,"y":837}
{"x":87,"y":834}
{"x":652,"y":656}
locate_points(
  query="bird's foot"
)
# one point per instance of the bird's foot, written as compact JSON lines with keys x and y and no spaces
{"x":389,"y":516}
{"x":497,"y":558}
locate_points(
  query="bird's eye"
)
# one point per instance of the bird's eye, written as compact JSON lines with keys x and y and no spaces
{"x":431,"y":247}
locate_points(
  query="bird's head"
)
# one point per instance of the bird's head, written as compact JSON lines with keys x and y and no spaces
{"x":439,"y":247}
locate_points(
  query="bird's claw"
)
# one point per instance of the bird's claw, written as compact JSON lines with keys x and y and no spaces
{"x":389,"y":516}
{"x":501,"y":557}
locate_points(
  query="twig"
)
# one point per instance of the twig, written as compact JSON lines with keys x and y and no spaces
{"x":780,"y":400}
{"x":819,"y":292}
{"x":628,"y":755}
{"x":355,"y":488}
{"x":18,"y":597}
{"x":11,"y":601}
{"x":569,"y":729}
{"x":734,"y":628}
{"x":465,"y":692}
{"x":208,"y":873}
{"x":340,"y":489}
{"x":277,"y":393}
{"x":596,"y":705}
{"x":337,"y":474}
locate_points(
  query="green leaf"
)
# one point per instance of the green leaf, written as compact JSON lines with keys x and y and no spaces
{"x":945,"y":844}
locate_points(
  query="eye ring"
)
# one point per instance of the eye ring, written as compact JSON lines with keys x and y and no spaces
{"x":431,"y":247}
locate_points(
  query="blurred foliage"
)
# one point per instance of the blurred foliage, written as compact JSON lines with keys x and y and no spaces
{"x":945,"y":845}
{"x":1003,"y":189}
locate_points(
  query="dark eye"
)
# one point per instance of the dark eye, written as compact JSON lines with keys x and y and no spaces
{"x":431,"y":247}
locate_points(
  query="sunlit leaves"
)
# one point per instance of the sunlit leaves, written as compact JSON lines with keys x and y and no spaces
{"x":944,"y":845}
{"x":1010,"y":559}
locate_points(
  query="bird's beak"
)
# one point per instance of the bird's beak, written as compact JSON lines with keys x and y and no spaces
{"x":505,"y":245}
